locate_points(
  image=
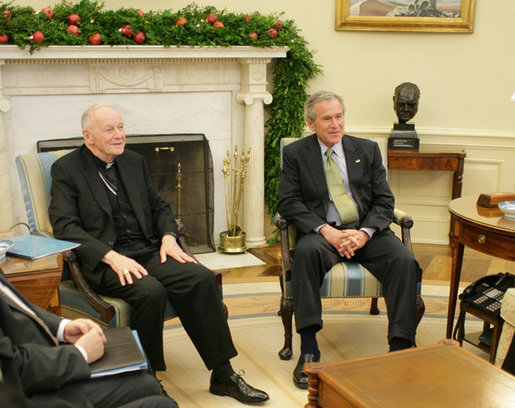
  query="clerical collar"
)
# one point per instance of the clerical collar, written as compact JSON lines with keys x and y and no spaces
{"x":99,"y":163}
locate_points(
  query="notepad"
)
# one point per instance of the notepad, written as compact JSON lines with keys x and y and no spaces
{"x":37,"y":246}
{"x":122,"y":354}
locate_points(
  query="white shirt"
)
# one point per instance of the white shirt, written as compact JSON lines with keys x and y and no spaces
{"x":339,"y":158}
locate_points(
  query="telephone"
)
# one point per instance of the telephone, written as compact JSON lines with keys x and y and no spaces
{"x":487,"y":293}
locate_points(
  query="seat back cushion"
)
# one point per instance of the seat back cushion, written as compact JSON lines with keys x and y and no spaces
{"x":35,"y":182}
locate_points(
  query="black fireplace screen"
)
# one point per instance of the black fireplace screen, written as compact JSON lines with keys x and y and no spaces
{"x":181,"y":167}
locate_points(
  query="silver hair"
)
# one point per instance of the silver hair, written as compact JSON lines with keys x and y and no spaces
{"x":86,"y":116}
{"x":309,"y":107}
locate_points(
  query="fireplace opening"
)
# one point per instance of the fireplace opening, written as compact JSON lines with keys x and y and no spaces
{"x":181,"y":167}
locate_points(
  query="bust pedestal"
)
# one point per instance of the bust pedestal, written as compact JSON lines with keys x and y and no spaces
{"x":403,"y":136}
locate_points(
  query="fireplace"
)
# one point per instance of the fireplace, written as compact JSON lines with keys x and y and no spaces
{"x":219,"y":92}
{"x":181,"y":168}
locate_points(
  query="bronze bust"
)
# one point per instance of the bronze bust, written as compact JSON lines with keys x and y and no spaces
{"x":405,"y":101}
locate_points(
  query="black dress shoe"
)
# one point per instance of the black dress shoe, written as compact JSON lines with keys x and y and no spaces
{"x":300,"y":378}
{"x":236,"y":387}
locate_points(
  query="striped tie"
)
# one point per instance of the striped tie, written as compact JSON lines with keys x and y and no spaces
{"x":341,"y":199}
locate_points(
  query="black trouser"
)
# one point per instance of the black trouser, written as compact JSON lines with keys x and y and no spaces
{"x":134,"y":390}
{"x":385,"y":256}
{"x":195,"y":295}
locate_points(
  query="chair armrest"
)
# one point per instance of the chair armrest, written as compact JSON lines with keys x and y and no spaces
{"x":284,"y":233}
{"x":405,"y":221}
{"x":105,"y":309}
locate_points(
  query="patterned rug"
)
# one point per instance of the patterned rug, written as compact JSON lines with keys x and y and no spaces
{"x":349,"y":332}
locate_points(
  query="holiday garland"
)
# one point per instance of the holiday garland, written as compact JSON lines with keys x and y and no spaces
{"x":87,"y":23}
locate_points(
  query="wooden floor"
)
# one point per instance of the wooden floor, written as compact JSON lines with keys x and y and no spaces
{"x":435,"y":261}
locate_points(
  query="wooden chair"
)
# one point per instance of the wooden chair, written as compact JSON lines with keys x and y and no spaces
{"x":76,"y":296}
{"x":343,"y":280}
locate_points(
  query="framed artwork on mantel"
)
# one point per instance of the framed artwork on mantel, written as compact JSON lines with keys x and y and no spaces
{"x":446,"y":16}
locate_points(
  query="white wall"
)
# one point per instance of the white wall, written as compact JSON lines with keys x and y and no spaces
{"x":466,"y":82}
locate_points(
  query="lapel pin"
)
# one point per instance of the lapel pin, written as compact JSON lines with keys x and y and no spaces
{"x":358,"y":160}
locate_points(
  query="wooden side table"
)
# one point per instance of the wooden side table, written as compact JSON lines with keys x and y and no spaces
{"x":37,"y":279}
{"x":482,"y":229}
{"x":440,"y":375}
{"x":432,"y":158}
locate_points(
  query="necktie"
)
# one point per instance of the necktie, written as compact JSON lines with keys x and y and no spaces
{"x":341,"y":199}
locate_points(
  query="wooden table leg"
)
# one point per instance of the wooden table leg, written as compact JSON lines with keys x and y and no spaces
{"x":312,"y":369}
{"x":457,"y":261}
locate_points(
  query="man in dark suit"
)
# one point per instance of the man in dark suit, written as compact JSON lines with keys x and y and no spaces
{"x":102,"y":197}
{"x":44,"y":361}
{"x":333,"y":187}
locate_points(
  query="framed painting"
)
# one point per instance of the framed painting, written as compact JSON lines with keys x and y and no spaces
{"x":406,"y":15}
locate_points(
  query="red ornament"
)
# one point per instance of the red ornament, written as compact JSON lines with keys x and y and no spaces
{"x":181,"y":22}
{"x":95,"y":39}
{"x":37,"y":36}
{"x":246,"y":17}
{"x":140,"y":12}
{"x":278,"y":25}
{"x":74,"y":19}
{"x":212,"y":18}
{"x":72,"y":29}
{"x":253,"y":36}
{"x":218,"y":24}
{"x":7,"y":14}
{"x":140,"y":37}
{"x":127,"y":30}
{"x":4,"y":38}
{"x":48,"y":12}
{"x":272,"y":32}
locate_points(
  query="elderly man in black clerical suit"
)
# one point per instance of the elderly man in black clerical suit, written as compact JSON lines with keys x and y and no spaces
{"x":102,"y":197}
{"x":44,"y":361}
{"x":333,"y":187}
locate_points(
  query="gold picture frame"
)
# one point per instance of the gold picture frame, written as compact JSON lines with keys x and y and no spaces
{"x":452,"y":16}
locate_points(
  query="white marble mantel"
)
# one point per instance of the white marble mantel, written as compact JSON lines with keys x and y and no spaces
{"x":218,"y":91}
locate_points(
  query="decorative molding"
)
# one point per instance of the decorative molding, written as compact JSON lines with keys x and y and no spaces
{"x":126,"y":77}
{"x":458,"y":133}
{"x":5,"y":105}
{"x":250,"y":98}
{"x":135,"y":52}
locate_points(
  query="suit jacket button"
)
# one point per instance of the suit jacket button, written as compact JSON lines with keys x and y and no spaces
{"x":110,"y":243}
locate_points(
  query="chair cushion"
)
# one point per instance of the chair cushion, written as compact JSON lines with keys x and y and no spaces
{"x":350,"y":279}
{"x":346,"y":279}
{"x":74,"y":305}
{"x":35,"y":181}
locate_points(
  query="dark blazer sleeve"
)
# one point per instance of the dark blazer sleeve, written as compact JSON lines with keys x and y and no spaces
{"x":368,"y":182}
{"x":75,"y":213}
{"x":80,"y":211}
{"x":303,"y":198}
{"x":30,"y":359}
{"x":303,"y":193}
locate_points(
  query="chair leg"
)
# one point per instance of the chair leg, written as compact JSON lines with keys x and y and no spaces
{"x":374,"y":310}
{"x":286,"y":313}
